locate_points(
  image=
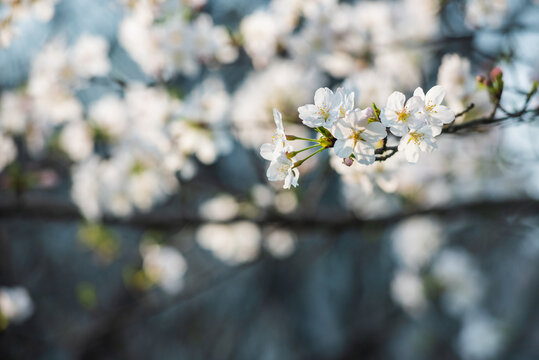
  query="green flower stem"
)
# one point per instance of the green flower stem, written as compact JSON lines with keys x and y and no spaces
{"x":293,"y":137}
{"x":294,"y":153}
{"x":299,"y":162}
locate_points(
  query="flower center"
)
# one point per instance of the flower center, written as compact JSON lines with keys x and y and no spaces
{"x":323,"y":111}
{"x":430,"y":107}
{"x":402,"y":115}
{"x":416,"y":137}
{"x":278,"y":138}
{"x":283,"y":168}
{"x":342,"y":112}
{"x":356,"y":136}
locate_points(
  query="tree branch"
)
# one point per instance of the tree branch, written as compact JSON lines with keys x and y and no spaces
{"x":170,"y":218}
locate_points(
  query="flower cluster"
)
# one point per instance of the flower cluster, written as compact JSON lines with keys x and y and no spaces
{"x":12,"y":12}
{"x":357,"y":134}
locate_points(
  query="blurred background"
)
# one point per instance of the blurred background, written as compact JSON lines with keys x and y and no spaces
{"x":137,"y":222}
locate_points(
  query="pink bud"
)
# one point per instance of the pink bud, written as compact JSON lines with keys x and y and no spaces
{"x":348,"y":161}
{"x":495,"y":73}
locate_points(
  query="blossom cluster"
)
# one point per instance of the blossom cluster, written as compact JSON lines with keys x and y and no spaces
{"x":167,"y":38}
{"x":355,"y":134}
{"x":13,"y":12}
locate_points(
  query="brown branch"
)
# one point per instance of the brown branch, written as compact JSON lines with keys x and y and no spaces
{"x":473,"y":124}
{"x":468,"y":109}
{"x":169,"y":218}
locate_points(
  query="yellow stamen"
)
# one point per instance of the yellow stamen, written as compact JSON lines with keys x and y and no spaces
{"x":402,"y":115}
{"x":416,"y":137}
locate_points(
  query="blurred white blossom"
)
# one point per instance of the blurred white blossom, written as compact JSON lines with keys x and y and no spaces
{"x":461,"y":280}
{"x":415,"y":241}
{"x":15,"y":304}
{"x":233,"y":243}
{"x":480,"y":338}
{"x":165,"y":266}
{"x":407,"y":290}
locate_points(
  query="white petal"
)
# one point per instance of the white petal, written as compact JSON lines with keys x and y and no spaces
{"x":278,"y":118}
{"x":444,"y":114}
{"x":364,"y":153}
{"x":412,"y":152}
{"x":343,"y":148}
{"x":404,"y":142}
{"x":357,"y":119}
{"x":267,"y":151}
{"x":436,"y":130}
{"x":295,"y":178}
{"x":435,"y":95}
{"x":322,"y":97}
{"x":415,"y":104}
{"x":420,"y":93}
{"x":396,"y":101}
{"x":374,"y":132}
{"x":416,"y":121}
{"x":389,"y":117}
{"x":428,"y":144}
{"x":399,"y":129}
{"x":307,"y":111}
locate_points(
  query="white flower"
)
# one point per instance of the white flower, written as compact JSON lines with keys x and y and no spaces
{"x":85,"y":190}
{"x":220,"y":208}
{"x":486,"y":13}
{"x":89,"y":56}
{"x":480,"y":338}
{"x":76,"y":140}
{"x":14,"y":112}
{"x":109,"y":114}
{"x":407,"y":290}
{"x":282,"y":168}
{"x":8,"y":151}
{"x":398,"y":116}
{"x":164,"y":265}
{"x":461,"y":280}
{"x":261,"y":33}
{"x":44,"y":9}
{"x":279,"y":143}
{"x":15,"y":304}
{"x":415,"y":241}
{"x":234,"y":243}
{"x":416,"y":140}
{"x":281,"y":243}
{"x":325,"y":110}
{"x":435,"y":113}
{"x":356,"y":135}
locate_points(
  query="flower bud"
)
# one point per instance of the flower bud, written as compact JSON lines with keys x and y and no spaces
{"x":495,"y":73}
{"x":348,"y":161}
{"x":481,"y":79}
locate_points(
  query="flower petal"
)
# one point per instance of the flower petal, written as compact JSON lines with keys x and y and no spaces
{"x":412,"y":152}
{"x":435,"y":96}
{"x":415,"y":104}
{"x":267,"y":151}
{"x":322,"y":97}
{"x":374,"y":132}
{"x":278,"y":118}
{"x":420,"y":93}
{"x":399,"y":129}
{"x":443,"y":114}
{"x":396,"y":101}
{"x":343,"y":148}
